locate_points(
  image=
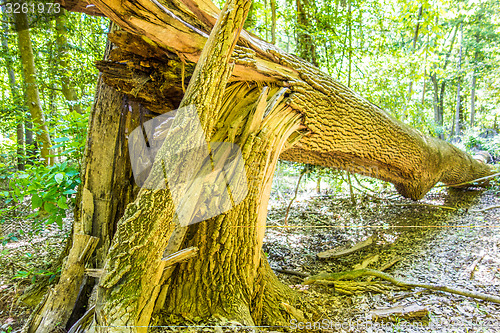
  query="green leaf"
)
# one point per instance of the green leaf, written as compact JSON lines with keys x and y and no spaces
{"x":50,"y":207}
{"x":69,"y":192}
{"x":62,"y":203}
{"x":63,"y":139}
{"x":59,"y":221}
{"x":36,"y":201}
{"x":59,"y":177}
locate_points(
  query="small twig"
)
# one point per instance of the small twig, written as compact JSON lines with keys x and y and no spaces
{"x":471,"y":181}
{"x":473,"y":266}
{"x":485,"y":209}
{"x":295,"y":195}
{"x":426,"y":205}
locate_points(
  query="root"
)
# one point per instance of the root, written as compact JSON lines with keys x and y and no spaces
{"x":333,"y":278}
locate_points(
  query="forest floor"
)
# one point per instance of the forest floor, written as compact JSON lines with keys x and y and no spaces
{"x":456,"y":247}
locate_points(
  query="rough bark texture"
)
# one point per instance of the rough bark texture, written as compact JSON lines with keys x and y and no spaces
{"x":346,"y":131}
{"x":133,"y":273}
{"x":31,"y":88}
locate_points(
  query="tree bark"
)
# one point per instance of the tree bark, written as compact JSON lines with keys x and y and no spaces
{"x":31,"y":89}
{"x":139,"y":277}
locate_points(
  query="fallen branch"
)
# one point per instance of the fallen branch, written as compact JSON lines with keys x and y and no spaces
{"x":368,"y":261}
{"x":425,"y":205}
{"x":388,"y":265}
{"x":485,"y":209}
{"x":351,"y":275}
{"x":473,"y":266}
{"x":339,"y":252}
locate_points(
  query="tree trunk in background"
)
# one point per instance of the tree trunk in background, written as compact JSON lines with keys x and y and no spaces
{"x":16,"y":96}
{"x":473,"y":86}
{"x":305,"y":43}
{"x":459,"y":109}
{"x":107,"y":188}
{"x":414,"y":45}
{"x":64,"y":62}
{"x":439,"y":88}
{"x":31,"y":89}
{"x":30,"y":144}
{"x":273,"y":22}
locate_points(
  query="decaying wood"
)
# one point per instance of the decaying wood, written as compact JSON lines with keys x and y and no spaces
{"x":346,"y":131}
{"x":57,"y":309}
{"x":351,"y":275}
{"x":397,"y":313}
{"x":94,"y":272}
{"x":342,"y":251}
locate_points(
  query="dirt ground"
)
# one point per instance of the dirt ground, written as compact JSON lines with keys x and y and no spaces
{"x":456,"y":247}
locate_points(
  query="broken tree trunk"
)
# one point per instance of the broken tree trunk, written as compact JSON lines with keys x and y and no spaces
{"x":345,"y":130}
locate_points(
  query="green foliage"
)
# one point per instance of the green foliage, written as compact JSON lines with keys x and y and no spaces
{"x":32,"y":274}
{"x":50,"y":189}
